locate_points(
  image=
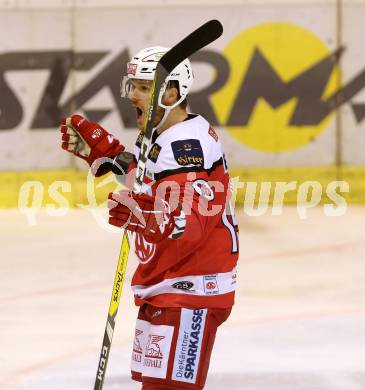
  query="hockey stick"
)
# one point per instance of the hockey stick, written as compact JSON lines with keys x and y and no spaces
{"x":198,"y":39}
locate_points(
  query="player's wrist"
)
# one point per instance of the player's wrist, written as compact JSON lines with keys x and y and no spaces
{"x":121,"y":162}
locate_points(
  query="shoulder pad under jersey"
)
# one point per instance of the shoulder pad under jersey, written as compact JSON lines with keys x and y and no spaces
{"x":189,"y":146}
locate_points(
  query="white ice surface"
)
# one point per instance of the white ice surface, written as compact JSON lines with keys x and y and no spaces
{"x":299,"y":320}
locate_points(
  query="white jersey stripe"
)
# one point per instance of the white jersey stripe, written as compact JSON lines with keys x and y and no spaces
{"x":201,"y":285}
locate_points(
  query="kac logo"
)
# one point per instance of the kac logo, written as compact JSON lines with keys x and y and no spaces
{"x":144,"y":250}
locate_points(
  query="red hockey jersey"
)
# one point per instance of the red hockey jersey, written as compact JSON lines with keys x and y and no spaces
{"x":198,"y":269}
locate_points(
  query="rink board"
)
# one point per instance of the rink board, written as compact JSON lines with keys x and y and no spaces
{"x":58,"y":63}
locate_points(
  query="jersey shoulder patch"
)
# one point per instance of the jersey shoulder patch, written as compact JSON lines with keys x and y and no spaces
{"x":139,"y":140}
{"x":213,"y":134}
{"x":154,"y":152}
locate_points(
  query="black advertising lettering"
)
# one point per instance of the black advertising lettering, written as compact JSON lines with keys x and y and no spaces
{"x":260,"y":81}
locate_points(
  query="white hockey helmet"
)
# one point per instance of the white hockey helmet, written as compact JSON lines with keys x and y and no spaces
{"x":143,"y":66}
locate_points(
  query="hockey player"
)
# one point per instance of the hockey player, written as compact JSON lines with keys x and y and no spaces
{"x":186,"y":236}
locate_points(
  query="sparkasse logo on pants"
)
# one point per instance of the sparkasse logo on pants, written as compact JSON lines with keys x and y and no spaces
{"x":188,"y":348}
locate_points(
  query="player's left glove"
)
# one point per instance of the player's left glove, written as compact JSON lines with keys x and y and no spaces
{"x":142,"y":213}
{"x":89,"y":141}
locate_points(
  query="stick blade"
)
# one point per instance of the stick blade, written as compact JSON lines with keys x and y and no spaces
{"x":201,"y":37}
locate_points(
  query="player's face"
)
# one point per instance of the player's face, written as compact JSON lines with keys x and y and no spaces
{"x":139,"y":95}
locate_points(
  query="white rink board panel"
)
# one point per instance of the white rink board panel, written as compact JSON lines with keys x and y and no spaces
{"x":92,"y":86}
{"x":26,"y":75}
{"x":142,"y":3}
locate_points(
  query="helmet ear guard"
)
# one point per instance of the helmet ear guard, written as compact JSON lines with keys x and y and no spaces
{"x":163,"y":91}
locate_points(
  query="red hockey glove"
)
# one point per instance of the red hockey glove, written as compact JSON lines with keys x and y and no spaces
{"x":145,"y":214}
{"x":88,"y":140}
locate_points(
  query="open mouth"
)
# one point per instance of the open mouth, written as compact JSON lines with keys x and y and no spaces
{"x":139,"y":112}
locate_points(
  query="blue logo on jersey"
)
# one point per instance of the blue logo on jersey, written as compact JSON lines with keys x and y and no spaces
{"x":188,"y":152}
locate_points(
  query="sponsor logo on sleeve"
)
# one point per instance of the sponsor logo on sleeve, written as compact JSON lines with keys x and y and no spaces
{"x":139,"y":139}
{"x":213,"y":134}
{"x":210,"y":284}
{"x":154,"y":152}
{"x":189,"y":344}
{"x":188,"y":152}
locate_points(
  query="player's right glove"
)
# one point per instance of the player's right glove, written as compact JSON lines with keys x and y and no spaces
{"x":145,"y":214}
{"x":88,"y":140}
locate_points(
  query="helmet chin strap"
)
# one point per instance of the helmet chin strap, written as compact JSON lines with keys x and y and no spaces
{"x":164,"y":117}
{"x":167,"y":108}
